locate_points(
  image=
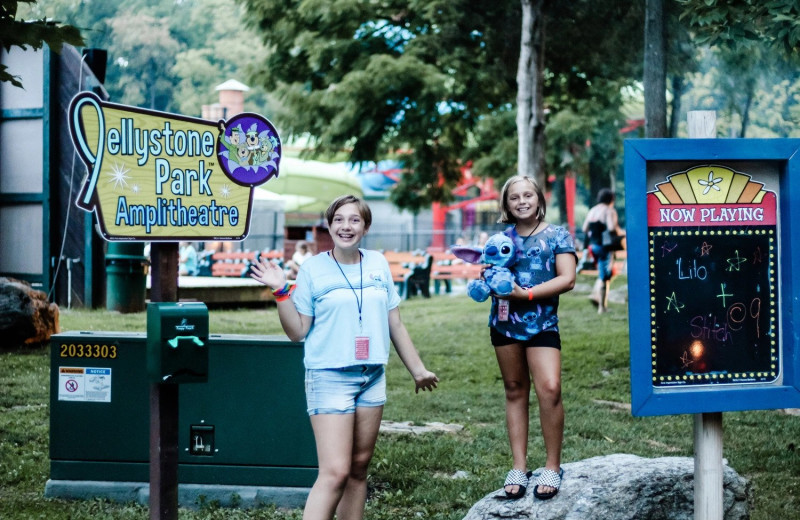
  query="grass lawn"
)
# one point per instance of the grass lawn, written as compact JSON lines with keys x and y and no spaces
{"x":411,"y":476}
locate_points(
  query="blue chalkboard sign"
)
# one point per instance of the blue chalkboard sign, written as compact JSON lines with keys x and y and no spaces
{"x":711,"y":281}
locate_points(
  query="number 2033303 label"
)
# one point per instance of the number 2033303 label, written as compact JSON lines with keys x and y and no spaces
{"x":88,"y":350}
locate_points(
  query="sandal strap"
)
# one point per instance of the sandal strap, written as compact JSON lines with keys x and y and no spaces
{"x":516,"y":477}
{"x":550,"y":478}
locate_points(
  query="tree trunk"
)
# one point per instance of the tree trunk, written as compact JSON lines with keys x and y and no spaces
{"x":530,"y":82}
{"x":675,"y":112}
{"x":655,"y":71}
{"x":746,"y":112}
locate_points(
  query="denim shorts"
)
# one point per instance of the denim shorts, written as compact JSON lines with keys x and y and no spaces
{"x":604,"y":261}
{"x":341,"y":390}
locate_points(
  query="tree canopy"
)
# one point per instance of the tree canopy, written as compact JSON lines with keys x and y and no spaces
{"x":435,"y":79}
{"x":22,"y":33}
{"x":164,"y":55}
{"x":743,"y":24}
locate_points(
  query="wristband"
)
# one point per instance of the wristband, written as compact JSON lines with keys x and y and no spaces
{"x":283,"y":290}
{"x":282,"y":297}
{"x":530,"y":294}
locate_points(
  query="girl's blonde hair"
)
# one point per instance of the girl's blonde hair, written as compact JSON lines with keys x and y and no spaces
{"x":505,"y":214}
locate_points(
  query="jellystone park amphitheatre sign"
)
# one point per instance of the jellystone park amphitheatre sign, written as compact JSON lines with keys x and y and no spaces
{"x":155,"y":176}
{"x":712,"y":274}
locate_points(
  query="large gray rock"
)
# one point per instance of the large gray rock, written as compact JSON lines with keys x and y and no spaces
{"x":620,"y":487}
{"x":26,"y":317}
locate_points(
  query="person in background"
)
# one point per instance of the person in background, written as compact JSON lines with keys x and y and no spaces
{"x":525,"y":334}
{"x":302,"y":252}
{"x":187,"y":259}
{"x":344,"y":305}
{"x":601,"y":217}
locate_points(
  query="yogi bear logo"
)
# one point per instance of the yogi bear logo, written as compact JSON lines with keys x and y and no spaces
{"x":248,"y":149}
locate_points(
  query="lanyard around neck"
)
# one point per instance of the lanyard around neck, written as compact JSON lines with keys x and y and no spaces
{"x":359,"y":301}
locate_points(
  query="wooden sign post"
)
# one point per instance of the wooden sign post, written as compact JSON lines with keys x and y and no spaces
{"x":708,"y":486}
{"x":164,"y":401}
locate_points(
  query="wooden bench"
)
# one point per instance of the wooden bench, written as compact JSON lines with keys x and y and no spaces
{"x":447,"y":267}
{"x":237,"y":263}
{"x":274,"y":255}
{"x":411,"y":272}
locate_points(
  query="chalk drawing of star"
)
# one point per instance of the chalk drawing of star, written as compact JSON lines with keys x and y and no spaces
{"x":672,"y":301}
{"x":710,"y":183}
{"x":735,"y":263}
{"x":668,"y":248}
{"x":685,"y":361}
{"x":705,"y":249}
{"x":119,"y":175}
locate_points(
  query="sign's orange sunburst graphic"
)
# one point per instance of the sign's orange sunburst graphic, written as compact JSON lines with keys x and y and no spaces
{"x":709,"y":185}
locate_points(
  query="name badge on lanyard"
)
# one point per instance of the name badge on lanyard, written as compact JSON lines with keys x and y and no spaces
{"x":502,"y":310}
{"x":362,"y":347}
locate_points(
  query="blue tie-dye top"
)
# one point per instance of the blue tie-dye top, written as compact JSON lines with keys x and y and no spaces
{"x":536,"y":263}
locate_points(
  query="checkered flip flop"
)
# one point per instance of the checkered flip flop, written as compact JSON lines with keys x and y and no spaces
{"x":516,"y":477}
{"x":550,"y":478}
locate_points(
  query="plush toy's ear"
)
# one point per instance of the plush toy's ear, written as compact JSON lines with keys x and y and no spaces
{"x":468,"y":254}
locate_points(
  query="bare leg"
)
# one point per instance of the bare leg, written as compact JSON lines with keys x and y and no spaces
{"x":334,"y":438}
{"x":602,"y":305}
{"x":595,"y":296}
{"x":517,"y":384}
{"x":545,"y":363}
{"x":367,"y":426}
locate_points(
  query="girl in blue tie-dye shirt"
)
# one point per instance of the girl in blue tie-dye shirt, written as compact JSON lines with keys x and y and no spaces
{"x":524,"y":332}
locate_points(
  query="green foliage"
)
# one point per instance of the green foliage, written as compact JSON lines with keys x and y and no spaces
{"x":31,"y":33}
{"x":412,"y":476}
{"x":745,"y":23}
{"x":144,"y":46}
{"x":755,"y":92}
{"x":494,"y":147}
{"x":436,"y":78}
{"x":375,"y":77}
{"x":165,"y":55}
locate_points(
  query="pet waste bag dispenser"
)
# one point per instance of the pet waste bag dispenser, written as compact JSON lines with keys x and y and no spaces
{"x":177,"y":342}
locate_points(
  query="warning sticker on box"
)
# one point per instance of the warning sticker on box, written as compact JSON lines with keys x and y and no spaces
{"x":84,"y":384}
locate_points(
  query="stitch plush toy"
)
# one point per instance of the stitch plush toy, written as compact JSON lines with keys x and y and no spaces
{"x":500,"y":253}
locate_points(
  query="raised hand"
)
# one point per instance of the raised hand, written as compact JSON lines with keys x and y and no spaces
{"x":268,"y":273}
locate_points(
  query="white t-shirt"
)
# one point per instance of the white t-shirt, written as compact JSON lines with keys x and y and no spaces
{"x":324,"y":293}
{"x":298,"y":257}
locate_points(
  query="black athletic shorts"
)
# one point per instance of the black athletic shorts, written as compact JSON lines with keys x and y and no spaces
{"x":547,"y":338}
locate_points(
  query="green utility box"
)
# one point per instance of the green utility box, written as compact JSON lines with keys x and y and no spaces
{"x":245,"y":425}
{"x":177,"y":334}
{"x":126,"y":276}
